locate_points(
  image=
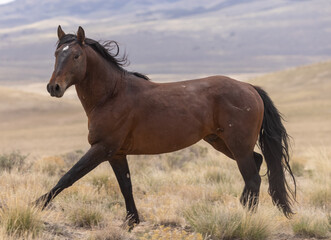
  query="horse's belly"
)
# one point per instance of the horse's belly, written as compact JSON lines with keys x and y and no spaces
{"x":159,"y":146}
{"x":164,"y":138}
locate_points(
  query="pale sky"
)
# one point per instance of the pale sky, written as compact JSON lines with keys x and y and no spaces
{"x":5,"y":1}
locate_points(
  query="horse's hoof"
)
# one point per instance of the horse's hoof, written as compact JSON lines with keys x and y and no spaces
{"x":40,"y":202}
{"x":130,"y":222}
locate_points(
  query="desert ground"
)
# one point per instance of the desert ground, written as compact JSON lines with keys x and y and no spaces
{"x":189,"y":194}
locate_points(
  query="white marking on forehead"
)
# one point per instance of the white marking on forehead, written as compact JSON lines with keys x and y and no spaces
{"x":65,"y":48}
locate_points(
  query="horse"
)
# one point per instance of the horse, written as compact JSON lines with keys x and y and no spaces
{"x":130,"y":115}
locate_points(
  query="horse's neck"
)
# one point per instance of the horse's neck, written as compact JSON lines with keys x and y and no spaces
{"x":102,"y":81}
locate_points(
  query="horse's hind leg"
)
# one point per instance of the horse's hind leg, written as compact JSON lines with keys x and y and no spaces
{"x":249,"y":167}
{"x":121,"y":170}
{"x":218,"y":144}
{"x":258,"y":160}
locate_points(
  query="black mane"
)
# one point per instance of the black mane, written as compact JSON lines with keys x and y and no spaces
{"x":105,"y":50}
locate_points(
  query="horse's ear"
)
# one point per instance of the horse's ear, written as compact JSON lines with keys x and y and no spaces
{"x":60,"y":33}
{"x":81,"y":35}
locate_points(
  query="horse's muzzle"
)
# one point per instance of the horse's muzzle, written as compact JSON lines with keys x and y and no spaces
{"x":55,"y":90}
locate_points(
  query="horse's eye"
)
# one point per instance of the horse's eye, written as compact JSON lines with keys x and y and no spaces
{"x":76,"y":56}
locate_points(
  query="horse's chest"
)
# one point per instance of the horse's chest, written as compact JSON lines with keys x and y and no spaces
{"x":109,"y":130}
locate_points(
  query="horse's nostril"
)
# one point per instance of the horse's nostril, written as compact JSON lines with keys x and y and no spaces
{"x":57,"y":87}
{"x":48,"y":88}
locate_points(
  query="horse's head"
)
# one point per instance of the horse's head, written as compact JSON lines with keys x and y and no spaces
{"x":70,"y":62}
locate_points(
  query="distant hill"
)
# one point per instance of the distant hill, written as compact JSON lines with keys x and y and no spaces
{"x":169,"y":37}
{"x":303,"y":95}
{"x":38,"y":124}
{"x":305,"y":85}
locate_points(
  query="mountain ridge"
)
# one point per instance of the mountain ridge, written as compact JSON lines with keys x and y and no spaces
{"x":170,"y":37}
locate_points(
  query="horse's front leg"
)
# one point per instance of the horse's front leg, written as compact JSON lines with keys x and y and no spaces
{"x":94,"y":156}
{"x":121,"y":170}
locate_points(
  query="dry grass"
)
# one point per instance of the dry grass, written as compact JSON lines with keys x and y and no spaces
{"x":168,"y":233}
{"x":50,"y":165}
{"x":174,"y":203}
{"x":311,"y":223}
{"x":18,"y":218}
{"x":21,"y":220}
{"x":228,"y":221}
{"x":112,"y":233}
{"x":85,"y":216}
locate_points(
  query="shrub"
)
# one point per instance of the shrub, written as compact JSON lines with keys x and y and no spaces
{"x":198,"y":151}
{"x":297,"y":168}
{"x":50,"y":165}
{"x":14,"y":159}
{"x":213,"y":176}
{"x":72,"y":157}
{"x":177,"y":160}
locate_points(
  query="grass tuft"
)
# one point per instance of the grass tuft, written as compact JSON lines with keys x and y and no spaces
{"x":83,"y":216}
{"x":100,"y":181}
{"x":329,"y":220}
{"x":220,"y":222}
{"x":311,"y":224}
{"x":320,"y":196}
{"x":20,"y":220}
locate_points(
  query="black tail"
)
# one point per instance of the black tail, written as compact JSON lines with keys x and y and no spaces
{"x":274,"y":144}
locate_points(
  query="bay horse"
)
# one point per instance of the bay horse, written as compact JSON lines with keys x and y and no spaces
{"x":129,"y":114}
